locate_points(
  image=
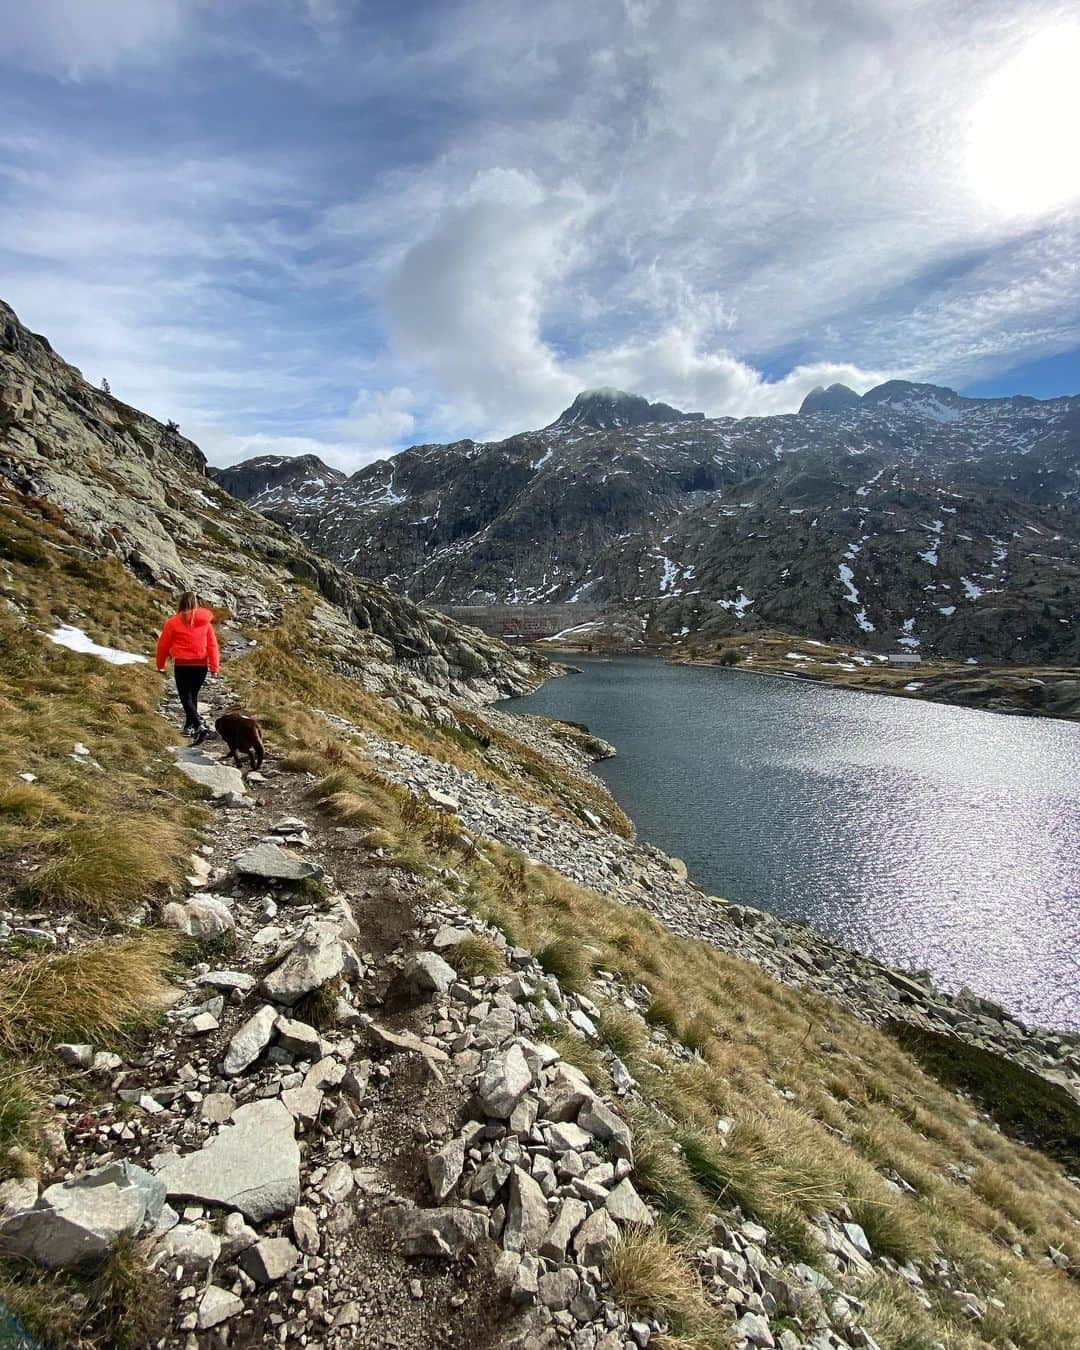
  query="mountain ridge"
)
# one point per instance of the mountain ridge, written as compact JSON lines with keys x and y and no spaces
{"x":914,"y":518}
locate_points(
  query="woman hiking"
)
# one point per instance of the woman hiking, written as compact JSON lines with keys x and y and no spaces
{"x":189,"y":638}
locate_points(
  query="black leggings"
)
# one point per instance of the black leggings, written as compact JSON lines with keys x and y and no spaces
{"x":189,"y":680}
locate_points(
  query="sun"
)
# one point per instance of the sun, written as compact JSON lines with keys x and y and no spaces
{"x":1023,"y":153}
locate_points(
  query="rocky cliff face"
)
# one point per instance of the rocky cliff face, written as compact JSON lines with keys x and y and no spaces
{"x":138,"y":490}
{"x":908,"y":518}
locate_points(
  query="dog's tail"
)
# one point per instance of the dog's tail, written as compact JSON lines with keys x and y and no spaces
{"x":259,"y":749}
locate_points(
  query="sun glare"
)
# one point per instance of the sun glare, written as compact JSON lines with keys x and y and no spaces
{"x":1024,"y":154}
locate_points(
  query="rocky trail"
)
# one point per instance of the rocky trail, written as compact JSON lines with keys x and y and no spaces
{"x":338,"y":1140}
{"x":287,"y":1174}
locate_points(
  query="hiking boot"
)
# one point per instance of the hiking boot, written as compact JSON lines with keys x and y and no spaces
{"x":200,"y":734}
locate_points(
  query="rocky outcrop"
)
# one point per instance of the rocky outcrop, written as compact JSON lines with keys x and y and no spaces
{"x":132,"y":488}
{"x":834,"y":399}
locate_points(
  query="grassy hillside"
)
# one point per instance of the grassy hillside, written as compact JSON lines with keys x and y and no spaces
{"x":755,"y":1107}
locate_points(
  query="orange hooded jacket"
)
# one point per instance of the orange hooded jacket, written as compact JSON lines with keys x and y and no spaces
{"x":189,"y":642}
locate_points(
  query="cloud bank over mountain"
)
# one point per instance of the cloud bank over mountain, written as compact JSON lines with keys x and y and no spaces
{"x":344,"y":228}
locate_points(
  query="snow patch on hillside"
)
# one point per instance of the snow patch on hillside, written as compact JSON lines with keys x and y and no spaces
{"x":75,"y":640}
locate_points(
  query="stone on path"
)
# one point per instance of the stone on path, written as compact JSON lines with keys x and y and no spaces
{"x":76,"y":1056}
{"x":228,"y":980}
{"x":304,"y":1103}
{"x":221,"y":779}
{"x":196,"y":1249}
{"x":81,"y":1220}
{"x":203,"y":918}
{"x":566,"y":1137}
{"x":595,"y":1238}
{"x":216,"y":1107}
{"x":217,"y":1305}
{"x":555,"y":1241}
{"x":428,"y":973}
{"x":317,"y":955}
{"x":565,"y":1093}
{"x":527,"y":1216}
{"x":504,"y":1082}
{"x":626,"y":1206}
{"x":237,"y":1236}
{"x":270,"y":862}
{"x":438,"y":1232}
{"x":405,"y":1040}
{"x":299,"y":1038}
{"x":445,"y":1167}
{"x":269,"y":1259}
{"x":288,"y":825}
{"x":449,"y":936}
{"x":754,"y":1329}
{"x":305,"y":1227}
{"x":442,"y":800}
{"x":17,"y":1193}
{"x":249,"y":1041}
{"x":252,"y":1165}
{"x":602,"y":1122}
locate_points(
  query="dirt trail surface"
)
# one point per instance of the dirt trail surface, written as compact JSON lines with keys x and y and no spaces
{"x":319,"y":1053}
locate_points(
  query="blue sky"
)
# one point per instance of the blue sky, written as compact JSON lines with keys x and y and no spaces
{"x":344,"y":227}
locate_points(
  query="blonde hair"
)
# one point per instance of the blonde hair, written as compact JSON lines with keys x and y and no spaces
{"x":188,"y":603}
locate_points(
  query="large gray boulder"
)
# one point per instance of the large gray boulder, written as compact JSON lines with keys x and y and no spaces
{"x":252,"y":1165}
{"x":80,"y":1221}
{"x":270,"y":862}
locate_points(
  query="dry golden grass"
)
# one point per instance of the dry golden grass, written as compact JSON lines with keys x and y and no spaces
{"x":477,"y":955}
{"x":95,"y":994}
{"x":652,"y":1277}
{"x":118,"y":1307}
{"x":102,"y":871}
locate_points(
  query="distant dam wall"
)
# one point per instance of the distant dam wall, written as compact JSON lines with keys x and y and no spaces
{"x":522,"y":623}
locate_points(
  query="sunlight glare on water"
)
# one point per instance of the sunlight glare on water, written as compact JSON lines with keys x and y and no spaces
{"x":933,"y":837}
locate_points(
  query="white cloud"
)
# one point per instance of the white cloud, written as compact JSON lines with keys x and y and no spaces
{"x":382,"y":420}
{"x":467,"y":300}
{"x":77,"y":39}
{"x":455,"y":217}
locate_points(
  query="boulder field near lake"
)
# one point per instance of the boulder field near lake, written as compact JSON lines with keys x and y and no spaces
{"x":403,"y":1040}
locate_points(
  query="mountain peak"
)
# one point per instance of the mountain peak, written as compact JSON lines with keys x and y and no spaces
{"x":834,"y":399}
{"x":606,"y":409}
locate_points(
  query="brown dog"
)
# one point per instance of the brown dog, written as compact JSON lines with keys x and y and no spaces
{"x":242,"y":734}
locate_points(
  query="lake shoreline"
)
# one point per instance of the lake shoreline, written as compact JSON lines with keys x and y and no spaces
{"x":795,"y":951}
{"x":730,"y":849}
{"x":980,"y":689}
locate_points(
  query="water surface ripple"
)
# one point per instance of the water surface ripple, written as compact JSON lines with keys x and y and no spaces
{"x":932,"y":837}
